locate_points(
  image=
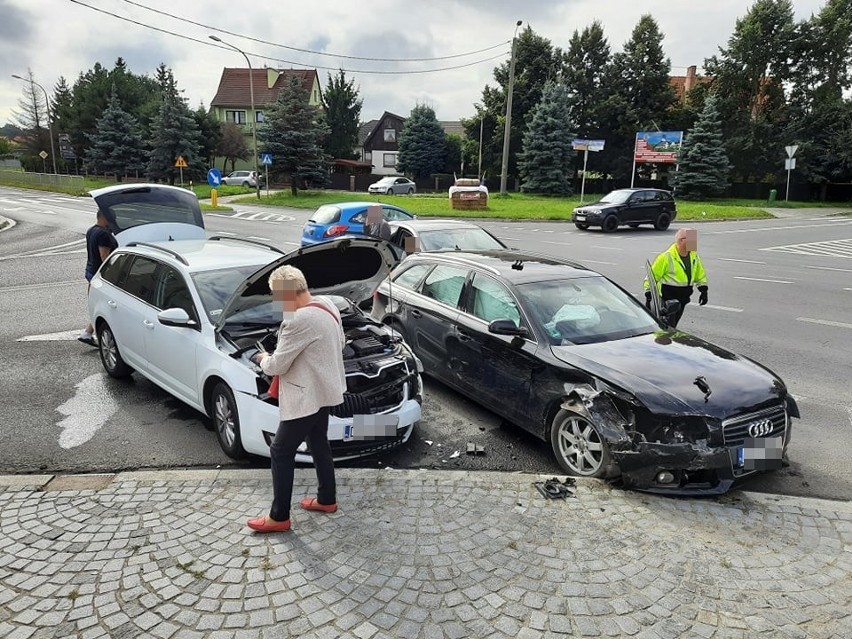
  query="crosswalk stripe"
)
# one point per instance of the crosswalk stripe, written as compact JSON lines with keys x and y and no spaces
{"x":827,"y":248}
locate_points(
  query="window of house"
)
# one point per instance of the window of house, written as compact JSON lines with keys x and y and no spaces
{"x":258,"y":116}
{"x":389,"y":160}
{"x":390,"y":135}
{"x":237,"y":117}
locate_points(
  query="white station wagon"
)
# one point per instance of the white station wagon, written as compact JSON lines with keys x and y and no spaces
{"x":188,"y":312}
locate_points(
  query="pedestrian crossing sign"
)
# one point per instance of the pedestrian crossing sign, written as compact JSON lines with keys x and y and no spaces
{"x":266,"y":159}
{"x":180,"y":163}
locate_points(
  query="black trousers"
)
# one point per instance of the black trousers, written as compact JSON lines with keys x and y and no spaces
{"x":291,"y":433}
{"x":680,"y":293}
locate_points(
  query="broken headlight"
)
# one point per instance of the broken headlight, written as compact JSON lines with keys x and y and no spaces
{"x":680,"y":430}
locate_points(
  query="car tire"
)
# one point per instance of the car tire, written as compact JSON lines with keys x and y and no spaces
{"x":246,"y":185}
{"x":111,"y":358}
{"x":609,"y":224}
{"x":410,"y":191}
{"x":226,"y":421}
{"x":581,"y":225}
{"x":578,"y":446}
{"x":662,"y":222}
{"x":390,"y":192}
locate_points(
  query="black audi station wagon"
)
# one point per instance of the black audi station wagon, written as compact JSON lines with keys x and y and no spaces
{"x":571,"y":357}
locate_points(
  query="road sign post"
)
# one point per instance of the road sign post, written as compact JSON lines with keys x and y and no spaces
{"x":214,"y":179}
{"x":790,"y":164}
{"x":266,"y":160}
{"x":585,"y":146}
{"x":181,"y":164}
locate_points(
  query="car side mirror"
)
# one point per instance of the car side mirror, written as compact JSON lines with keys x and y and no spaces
{"x":507,"y":327}
{"x":176,"y":317}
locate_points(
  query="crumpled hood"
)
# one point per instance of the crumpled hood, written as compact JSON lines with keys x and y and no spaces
{"x":660,"y":370}
{"x":351,"y":267}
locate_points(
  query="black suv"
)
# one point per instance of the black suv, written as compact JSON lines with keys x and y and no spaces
{"x":627,"y":206}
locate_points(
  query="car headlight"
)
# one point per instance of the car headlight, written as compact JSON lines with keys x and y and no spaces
{"x":609,"y":389}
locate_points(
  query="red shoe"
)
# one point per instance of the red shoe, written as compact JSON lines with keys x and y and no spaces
{"x":310,"y":503}
{"x":264,"y":524}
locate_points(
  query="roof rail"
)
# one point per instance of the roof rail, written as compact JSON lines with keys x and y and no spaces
{"x":240,"y":239}
{"x":156,"y":247}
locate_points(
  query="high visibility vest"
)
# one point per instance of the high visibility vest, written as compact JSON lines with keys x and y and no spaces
{"x":668,"y":269}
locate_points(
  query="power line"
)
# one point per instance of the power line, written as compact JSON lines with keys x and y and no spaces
{"x":323,"y":53}
{"x":290,"y":62}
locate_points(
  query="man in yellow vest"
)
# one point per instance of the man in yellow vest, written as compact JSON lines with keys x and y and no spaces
{"x":676,"y":271}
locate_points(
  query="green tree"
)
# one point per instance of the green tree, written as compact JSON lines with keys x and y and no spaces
{"x":342,"y":114}
{"x":232,"y":145}
{"x":294,"y":132}
{"x":5,"y":148}
{"x":117,"y":147}
{"x":584,"y":72}
{"x":703,"y":164}
{"x":31,"y":117}
{"x":174,"y":134}
{"x":422,"y":143}
{"x":454,"y":145}
{"x":545,"y":163}
{"x":748,"y":79}
{"x":209,"y":133}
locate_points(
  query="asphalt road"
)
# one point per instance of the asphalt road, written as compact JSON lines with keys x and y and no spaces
{"x":780,"y":293}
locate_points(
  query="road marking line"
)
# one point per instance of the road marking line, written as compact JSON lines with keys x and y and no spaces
{"x":757,"y":279}
{"x":828,"y":268}
{"x":847,"y":289}
{"x":224,"y":233}
{"x":62,"y":336}
{"x":608,"y":248}
{"x":778,"y":228}
{"x":730,"y":259}
{"x":293,"y":243}
{"x":724,"y":308}
{"x":262,"y":239}
{"x":824,"y":322}
{"x":217,"y":215}
{"x":28,"y":287}
{"x":50,"y":254}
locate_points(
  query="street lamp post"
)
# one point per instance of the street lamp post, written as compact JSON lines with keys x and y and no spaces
{"x":253,"y":114}
{"x":504,"y":173}
{"x":49,"y":126}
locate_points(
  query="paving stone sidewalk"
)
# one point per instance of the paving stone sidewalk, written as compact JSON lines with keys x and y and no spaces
{"x":414,"y":554}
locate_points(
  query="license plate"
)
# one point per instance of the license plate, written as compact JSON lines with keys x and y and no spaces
{"x":760,"y":453}
{"x":581,"y":217}
{"x":366,"y":427}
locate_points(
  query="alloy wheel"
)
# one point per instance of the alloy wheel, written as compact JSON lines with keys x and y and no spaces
{"x":580,"y":446}
{"x":224,"y":416}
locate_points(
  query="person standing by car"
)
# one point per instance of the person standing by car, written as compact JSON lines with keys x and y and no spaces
{"x":376,"y":225}
{"x":309,"y":362}
{"x":676,"y":270}
{"x":100,"y":242}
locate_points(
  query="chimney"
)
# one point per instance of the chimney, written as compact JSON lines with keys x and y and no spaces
{"x":691,"y":78}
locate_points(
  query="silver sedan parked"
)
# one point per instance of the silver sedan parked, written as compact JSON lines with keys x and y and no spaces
{"x":241,"y":178}
{"x":393,"y":186}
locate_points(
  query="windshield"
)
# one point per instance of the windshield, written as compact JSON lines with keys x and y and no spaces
{"x":326,"y":214}
{"x":216,"y":287}
{"x":617,"y":197}
{"x":387,"y":180}
{"x":585,"y":310}
{"x":463,"y":239}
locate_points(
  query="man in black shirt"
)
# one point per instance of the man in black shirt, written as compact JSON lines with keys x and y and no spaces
{"x":100,"y":242}
{"x":376,"y":225}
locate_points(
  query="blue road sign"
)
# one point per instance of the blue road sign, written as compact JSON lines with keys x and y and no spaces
{"x":266,"y":159}
{"x":214,"y":177}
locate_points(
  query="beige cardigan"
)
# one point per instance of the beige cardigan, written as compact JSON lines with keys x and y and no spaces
{"x":309,"y":360}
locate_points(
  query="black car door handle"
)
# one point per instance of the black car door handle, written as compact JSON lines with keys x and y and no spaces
{"x":416,"y":314}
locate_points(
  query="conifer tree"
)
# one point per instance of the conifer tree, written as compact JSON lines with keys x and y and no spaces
{"x":422,"y":143}
{"x":704,"y":167}
{"x":116,"y":148}
{"x":545,"y":164}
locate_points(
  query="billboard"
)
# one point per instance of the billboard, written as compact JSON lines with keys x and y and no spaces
{"x":657,"y":146}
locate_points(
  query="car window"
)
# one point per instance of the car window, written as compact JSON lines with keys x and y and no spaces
{"x":491,"y":301}
{"x":616,"y":197}
{"x":215,"y":288}
{"x":326,"y":215}
{"x":473,"y":239}
{"x":445,"y":284}
{"x":145,"y":205}
{"x":665,"y":196}
{"x":115,"y":268}
{"x":395,"y":214}
{"x":359,"y":218}
{"x":172,"y":292}
{"x":141,"y":281}
{"x":411,"y":277}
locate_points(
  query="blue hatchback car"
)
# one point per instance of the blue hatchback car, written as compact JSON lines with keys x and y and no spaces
{"x":345,"y":218}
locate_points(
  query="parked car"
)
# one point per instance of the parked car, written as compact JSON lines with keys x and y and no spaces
{"x":393,"y":186}
{"x":437,"y":235}
{"x":628,"y":206}
{"x":247,"y":179}
{"x":569,"y":356}
{"x":189,"y":314}
{"x":346,"y":218}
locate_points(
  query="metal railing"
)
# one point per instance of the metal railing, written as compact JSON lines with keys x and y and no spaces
{"x":11,"y":176}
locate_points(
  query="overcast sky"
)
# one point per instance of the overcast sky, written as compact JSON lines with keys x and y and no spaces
{"x":65,"y":37}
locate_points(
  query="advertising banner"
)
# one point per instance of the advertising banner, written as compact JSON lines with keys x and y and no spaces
{"x":657,"y":146}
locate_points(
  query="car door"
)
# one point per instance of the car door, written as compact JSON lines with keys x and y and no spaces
{"x":172,"y":350}
{"x":429,"y":317}
{"x":128,"y":301}
{"x":496,"y":370}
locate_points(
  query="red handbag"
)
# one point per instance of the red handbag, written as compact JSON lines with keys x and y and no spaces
{"x":273,"y":385}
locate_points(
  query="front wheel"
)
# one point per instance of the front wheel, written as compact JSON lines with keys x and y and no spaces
{"x":111,"y":358}
{"x":581,"y":225}
{"x":226,"y":421}
{"x":390,"y":191}
{"x":610,"y":224}
{"x":246,"y":185}
{"x":578,"y":446}
{"x":411,"y":191}
{"x":663,"y":221}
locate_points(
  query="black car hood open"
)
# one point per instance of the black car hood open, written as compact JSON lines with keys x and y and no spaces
{"x":660,"y":370}
{"x":352,"y":267}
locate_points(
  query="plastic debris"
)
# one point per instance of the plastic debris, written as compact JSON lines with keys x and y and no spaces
{"x":454,"y":455}
{"x":554,"y":489}
{"x":475,"y":449}
{"x":428,"y":441}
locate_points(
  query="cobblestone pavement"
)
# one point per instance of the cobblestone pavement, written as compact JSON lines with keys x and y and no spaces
{"x":414,"y":554}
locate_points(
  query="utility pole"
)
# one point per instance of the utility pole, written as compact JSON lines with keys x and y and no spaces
{"x":479,"y":163}
{"x":504,"y":173}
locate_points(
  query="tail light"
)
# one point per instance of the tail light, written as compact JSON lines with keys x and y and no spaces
{"x":336,"y":229}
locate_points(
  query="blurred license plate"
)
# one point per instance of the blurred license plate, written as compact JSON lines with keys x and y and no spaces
{"x":581,"y":217}
{"x":365,"y":427}
{"x":760,"y":453}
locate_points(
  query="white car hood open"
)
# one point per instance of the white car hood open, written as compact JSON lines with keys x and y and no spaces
{"x":352,"y":267}
{"x":151,"y":212}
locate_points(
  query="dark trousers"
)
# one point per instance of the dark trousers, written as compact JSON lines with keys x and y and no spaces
{"x":291,"y":433}
{"x":680,"y":293}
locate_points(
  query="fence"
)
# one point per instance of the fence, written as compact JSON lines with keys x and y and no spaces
{"x":25,"y":178}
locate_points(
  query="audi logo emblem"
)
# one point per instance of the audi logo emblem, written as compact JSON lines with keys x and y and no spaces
{"x":760,"y":429}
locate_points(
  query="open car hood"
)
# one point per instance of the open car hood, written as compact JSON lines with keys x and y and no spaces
{"x":151,"y":212}
{"x":352,"y":267}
